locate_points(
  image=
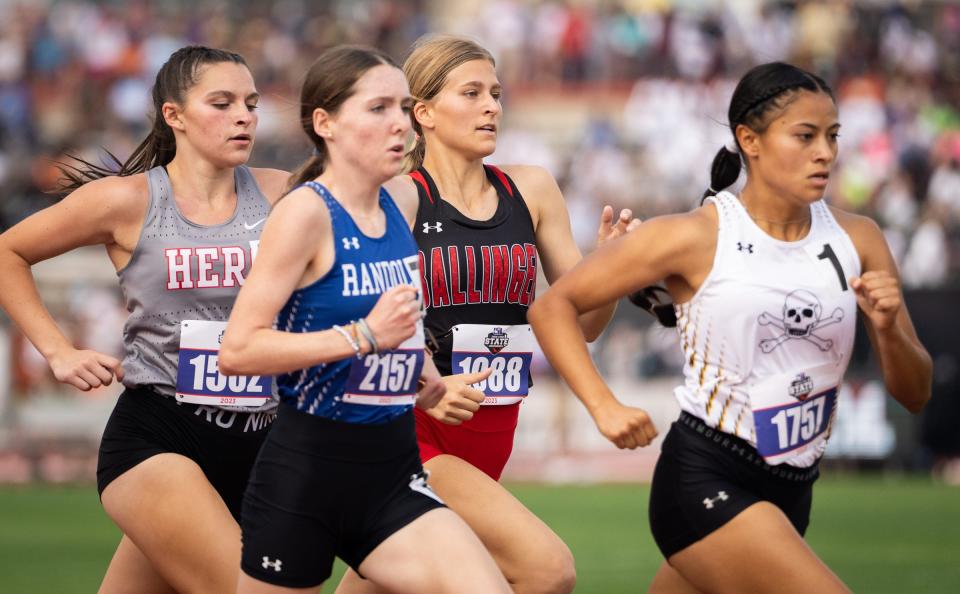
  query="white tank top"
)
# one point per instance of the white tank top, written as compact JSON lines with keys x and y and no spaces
{"x":767,"y":337}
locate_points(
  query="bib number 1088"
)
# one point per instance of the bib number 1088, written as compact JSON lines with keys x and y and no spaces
{"x":507,"y":376}
{"x":207,"y":378}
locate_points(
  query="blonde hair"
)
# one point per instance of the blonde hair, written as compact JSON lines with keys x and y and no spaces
{"x":427,"y":67}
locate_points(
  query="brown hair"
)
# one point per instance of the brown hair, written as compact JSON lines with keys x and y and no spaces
{"x":329,"y":82}
{"x":431,"y":60}
{"x":177,"y":75}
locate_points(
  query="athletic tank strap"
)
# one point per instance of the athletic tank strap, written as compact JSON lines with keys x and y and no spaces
{"x":332,"y":205}
{"x":390,"y":207}
{"x":505,"y":183}
{"x":421,"y":181}
{"x":246,"y":182}
{"x":500,"y":180}
{"x":341,"y":221}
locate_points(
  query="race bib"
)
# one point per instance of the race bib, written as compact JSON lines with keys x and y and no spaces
{"x":507,"y":350}
{"x":199,"y":381}
{"x":792,"y":411}
{"x":387,"y":378}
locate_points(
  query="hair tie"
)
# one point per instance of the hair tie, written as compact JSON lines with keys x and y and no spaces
{"x":316,"y":152}
{"x":732,"y":146}
{"x":712,"y":190}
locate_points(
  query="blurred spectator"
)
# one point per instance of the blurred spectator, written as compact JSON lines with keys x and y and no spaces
{"x":926,"y":261}
{"x":622,"y":99}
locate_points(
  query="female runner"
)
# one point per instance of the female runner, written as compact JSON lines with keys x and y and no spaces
{"x":766,"y":286}
{"x":337,"y":271}
{"x":180,"y":222}
{"x":482,"y":232}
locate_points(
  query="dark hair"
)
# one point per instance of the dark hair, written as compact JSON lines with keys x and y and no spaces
{"x":765,"y":89}
{"x":178,"y":74}
{"x":329,"y":82}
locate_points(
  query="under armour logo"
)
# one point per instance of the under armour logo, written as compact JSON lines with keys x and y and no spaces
{"x":438,"y":227}
{"x":707,"y":502}
{"x":274,"y":564}
{"x":350,"y":242}
{"x":745,"y":247}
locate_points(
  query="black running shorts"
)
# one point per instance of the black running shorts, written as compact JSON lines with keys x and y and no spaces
{"x":323,"y":488}
{"x":705,"y":477}
{"x":223,"y":443}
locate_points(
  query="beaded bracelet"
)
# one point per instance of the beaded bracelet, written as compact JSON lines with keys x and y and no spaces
{"x":353,"y":343}
{"x":356,"y":335}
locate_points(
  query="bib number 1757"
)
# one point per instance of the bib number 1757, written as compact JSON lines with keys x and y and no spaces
{"x":787,"y":428}
{"x":798,"y":423}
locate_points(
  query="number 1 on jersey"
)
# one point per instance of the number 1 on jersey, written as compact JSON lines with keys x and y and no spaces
{"x":829,"y":254}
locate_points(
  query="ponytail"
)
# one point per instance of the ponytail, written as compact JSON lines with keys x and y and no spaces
{"x":723,"y":172}
{"x":763,"y":90}
{"x":177,"y":75}
{"x":648,"y":299}
{"x":413,"y":160}
{"x":309,"y":169}
{"x":158,"y":148}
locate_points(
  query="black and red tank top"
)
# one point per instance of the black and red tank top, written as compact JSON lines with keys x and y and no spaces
{"x":473,"y":272}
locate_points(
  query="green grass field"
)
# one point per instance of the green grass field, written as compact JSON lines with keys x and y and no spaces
{"x":879,"y":535}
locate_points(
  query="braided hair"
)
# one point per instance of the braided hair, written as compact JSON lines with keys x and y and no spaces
{"x":765,"y":89}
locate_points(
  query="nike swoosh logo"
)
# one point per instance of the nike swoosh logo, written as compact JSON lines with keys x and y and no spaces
{"x":248,"y":227}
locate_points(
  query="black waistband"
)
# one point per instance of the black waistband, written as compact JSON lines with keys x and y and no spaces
{"x":741,"y":449}
{"x":240,"y":422}
{"x":336,"y":440}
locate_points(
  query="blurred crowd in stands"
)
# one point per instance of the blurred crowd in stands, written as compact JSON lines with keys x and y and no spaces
{"x":623,"y":100}
{"x":654,"y":77}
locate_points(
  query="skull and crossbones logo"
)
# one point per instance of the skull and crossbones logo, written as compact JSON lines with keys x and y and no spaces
{"x":801,"y":316}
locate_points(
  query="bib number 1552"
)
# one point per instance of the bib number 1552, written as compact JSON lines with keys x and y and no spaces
{"x":199,"y":381}
{"x":207,"y":378}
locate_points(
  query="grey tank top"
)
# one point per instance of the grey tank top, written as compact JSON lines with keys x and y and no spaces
{"x":182,"y":271}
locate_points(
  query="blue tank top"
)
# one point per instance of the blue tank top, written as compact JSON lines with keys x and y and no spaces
{"x":375,"y":388}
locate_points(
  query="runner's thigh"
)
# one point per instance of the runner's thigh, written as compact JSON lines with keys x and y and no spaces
{"x":166,"y":506}
{"x":524,"y":547}
{"x":757,"y":551}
